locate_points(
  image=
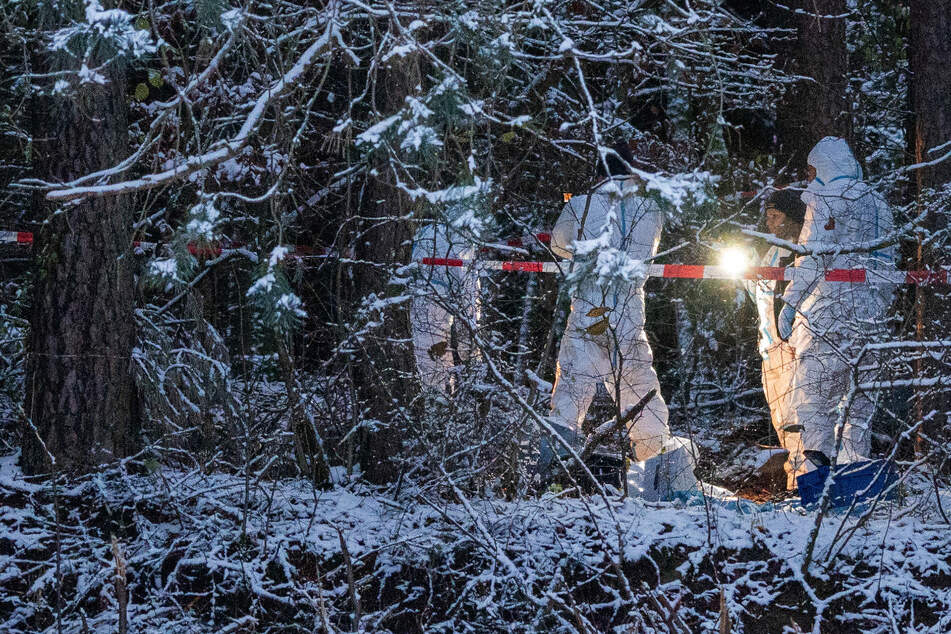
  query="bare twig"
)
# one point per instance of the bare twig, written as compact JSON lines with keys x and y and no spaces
{"x":605,"y":430}
{"x":351,"y":583}
{"x":227,"y":149}
{"x":120,"y":583}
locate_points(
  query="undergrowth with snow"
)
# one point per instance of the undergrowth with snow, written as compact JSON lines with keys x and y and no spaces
{"x":186,"y":551}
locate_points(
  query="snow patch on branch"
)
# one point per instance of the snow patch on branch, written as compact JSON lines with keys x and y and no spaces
{"x":167,"y":269}
{"x":679,"y":189}
{"x":262,"y":285}
{"x":291,"y":304}
{"x":277,"y":256}
{"x":88,"y":75}
{"x":615,"y":266}
{"x":232,"y":19}
{"x":453,"y":193}
{"x":203,"y":220}
{"x":374,"y":133}
{"x":114,"y":26}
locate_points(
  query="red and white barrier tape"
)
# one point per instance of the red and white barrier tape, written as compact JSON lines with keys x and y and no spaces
{"x":527,"y":241}
{"x":670,"y":271}
{"x":16,"y":237}
{"x":701,"y":272}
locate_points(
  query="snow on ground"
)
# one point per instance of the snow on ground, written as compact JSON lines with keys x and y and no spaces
{"x":208,"y":552}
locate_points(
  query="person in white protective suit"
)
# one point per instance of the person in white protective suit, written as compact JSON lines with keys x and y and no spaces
{"x":604,"y":340}
{"x":827,"y":322}
{"x":438,"y":288}
{"x":784,"y":212}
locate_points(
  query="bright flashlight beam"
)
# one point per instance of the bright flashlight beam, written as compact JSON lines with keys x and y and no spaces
{"x":735,"y":261}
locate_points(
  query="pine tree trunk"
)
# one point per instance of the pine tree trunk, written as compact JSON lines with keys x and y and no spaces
{"x":80,"y":397}
{"x":929,"y":56}
{"x":812,"y":110}
{"x":384,"y":374}
{"x":930,"y":64}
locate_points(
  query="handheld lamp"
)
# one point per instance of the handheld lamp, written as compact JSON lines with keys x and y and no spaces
{"x":735,"y":261}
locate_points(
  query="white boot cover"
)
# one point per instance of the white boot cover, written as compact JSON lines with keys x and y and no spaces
{"x":671,"y":471}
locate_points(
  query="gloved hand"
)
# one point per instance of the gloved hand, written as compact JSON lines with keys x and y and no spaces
{"x":785,"y":322}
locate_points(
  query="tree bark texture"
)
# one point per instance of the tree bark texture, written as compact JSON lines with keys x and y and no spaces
{"x":929,"y":58}
{"x":383,"y":374}
{"x":816,"y":106}
{"x":80,"y":396}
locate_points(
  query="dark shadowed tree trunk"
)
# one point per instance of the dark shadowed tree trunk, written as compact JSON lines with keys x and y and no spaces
{"x":930,"y":65}
{"x":929,"y":57}
{"x":384,"y":372}
{"x":816,"y":107}
{"x":80,"y":397}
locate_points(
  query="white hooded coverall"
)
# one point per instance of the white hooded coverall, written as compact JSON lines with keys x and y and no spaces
{"x":835,"y":319}
{"x":620,"y":356}
{"x":431,"y":322}
{"x":778,"y":366}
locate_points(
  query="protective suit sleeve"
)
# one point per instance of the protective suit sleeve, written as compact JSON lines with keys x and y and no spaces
{"x":885,"y":257}
{"x":565,"y":230}
{"x":817,"y":233}
{"x":784,"y":324}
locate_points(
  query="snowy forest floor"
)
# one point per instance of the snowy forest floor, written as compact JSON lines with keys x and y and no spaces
{"x":186,"y":551}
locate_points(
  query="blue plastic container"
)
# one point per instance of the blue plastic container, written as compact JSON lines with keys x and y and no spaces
{"x":858,"y":481}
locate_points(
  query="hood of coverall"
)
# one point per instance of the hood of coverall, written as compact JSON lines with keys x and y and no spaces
{"x":833,"y":159}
